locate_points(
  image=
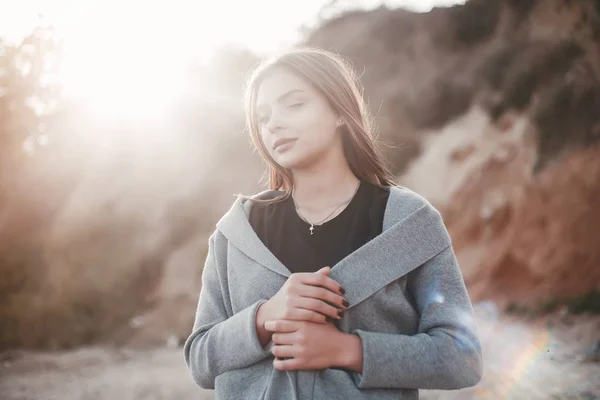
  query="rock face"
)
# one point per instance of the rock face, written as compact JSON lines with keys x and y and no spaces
{"x":495,"y":106}
{"x":521,"y":238}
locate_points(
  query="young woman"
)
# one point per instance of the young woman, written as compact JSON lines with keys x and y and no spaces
{"x":335,"y":283}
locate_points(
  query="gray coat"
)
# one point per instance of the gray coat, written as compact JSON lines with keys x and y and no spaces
{"x":408,"y":304}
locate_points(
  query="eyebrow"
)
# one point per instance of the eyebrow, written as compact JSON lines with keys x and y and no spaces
{"x":282,"y":97}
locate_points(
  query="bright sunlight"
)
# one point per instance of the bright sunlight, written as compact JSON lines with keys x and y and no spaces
{"x":110,"y":60}
{"x":114,"y":48}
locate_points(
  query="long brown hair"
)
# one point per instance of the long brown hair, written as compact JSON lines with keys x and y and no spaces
{"x":335,"y":79}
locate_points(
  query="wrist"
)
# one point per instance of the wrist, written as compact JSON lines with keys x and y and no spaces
{"x":262,"y":315}
{"x":350,"y":354}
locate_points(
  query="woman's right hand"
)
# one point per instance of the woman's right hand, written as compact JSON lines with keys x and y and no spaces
{"x":311,"y":296}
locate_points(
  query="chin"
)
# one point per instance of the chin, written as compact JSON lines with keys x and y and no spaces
{"x":289,"y":160}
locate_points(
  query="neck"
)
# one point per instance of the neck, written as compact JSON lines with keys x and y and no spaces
{"x":325,"y":184}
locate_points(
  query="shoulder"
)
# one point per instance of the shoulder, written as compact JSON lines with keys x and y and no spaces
{"x":256,"y":205}
{"x":248,"y":201}
{"x":245,"y":202}
{"x":403,"y":202}
{"x":239,"y":211}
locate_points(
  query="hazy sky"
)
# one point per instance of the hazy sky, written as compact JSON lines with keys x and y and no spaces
{"x":259,"y":24}
{"x":121,"y":45}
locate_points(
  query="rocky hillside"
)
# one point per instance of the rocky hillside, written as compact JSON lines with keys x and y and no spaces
{"x":493,"y":109}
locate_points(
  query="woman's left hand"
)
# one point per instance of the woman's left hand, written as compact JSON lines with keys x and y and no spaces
{"x":305,"y":345}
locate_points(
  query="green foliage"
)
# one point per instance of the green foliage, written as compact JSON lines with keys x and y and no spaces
{"x":567,"y":117}
{"x":517,"y":71}
{"x":560,"y":79}
{"x":540,"y":63}
{"x":588,"y":302}
{"x":596,"y":4}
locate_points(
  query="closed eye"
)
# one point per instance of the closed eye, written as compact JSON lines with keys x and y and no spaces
{"x":265,"y":119}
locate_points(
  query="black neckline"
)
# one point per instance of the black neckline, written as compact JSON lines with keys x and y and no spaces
{"x":332,"y":221}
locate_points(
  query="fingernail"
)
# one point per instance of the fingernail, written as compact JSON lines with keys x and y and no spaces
{"x":340,"y":313}
{"x":345,"y":303}
{"x":269,"y":325}
{"x":342,"y":291}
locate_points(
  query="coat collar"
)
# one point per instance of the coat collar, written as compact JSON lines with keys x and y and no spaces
{"x":413,"y":232}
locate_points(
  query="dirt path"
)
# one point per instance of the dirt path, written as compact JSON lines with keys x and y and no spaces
{"x":523,"y":360}
{"x":100,"y":374}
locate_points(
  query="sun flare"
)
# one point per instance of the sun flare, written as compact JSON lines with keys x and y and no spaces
{"x":128,"y":58}
{"x":130,"y":64}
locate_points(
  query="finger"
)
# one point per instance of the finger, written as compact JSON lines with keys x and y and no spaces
{"x":318,"y":306}
{"x":324,"y":271}
{"x":284,"y":351}
{"x":281,"y":325}
{"x":283,"y":338}
{"x":287,"y":365}
{"x":300,"y":314}
{"x":323,"y":281}
{"x":323,"y":294}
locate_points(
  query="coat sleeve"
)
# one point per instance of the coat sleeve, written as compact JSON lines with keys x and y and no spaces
{"x":445,"y":353}
{"x":220,"y":342}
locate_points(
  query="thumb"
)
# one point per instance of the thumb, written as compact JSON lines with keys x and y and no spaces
{"x":324,"y":270}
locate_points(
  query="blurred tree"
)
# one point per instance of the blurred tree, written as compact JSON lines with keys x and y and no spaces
{"x":29,"y":93}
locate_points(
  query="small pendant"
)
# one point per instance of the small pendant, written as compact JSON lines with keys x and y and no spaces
{"x":311,"y":229}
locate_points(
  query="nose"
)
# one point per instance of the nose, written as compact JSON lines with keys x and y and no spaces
{"x":274,"y":124}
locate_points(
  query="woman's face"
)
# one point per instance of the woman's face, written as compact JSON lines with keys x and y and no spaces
{"x":298,"y":126}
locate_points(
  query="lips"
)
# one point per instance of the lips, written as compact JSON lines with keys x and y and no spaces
{"x":281,"y":142}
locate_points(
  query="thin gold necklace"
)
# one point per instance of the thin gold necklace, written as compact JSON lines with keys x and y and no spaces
{"x":312,"y":225}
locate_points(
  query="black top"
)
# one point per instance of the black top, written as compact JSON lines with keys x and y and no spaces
{"x":288,"y":237}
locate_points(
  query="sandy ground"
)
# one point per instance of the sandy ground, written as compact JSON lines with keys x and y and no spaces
{"x":530,"y":360}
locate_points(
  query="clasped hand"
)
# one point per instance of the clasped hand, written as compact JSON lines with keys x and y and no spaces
{"x":304,"y":344}
{"x":297,"y":316}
